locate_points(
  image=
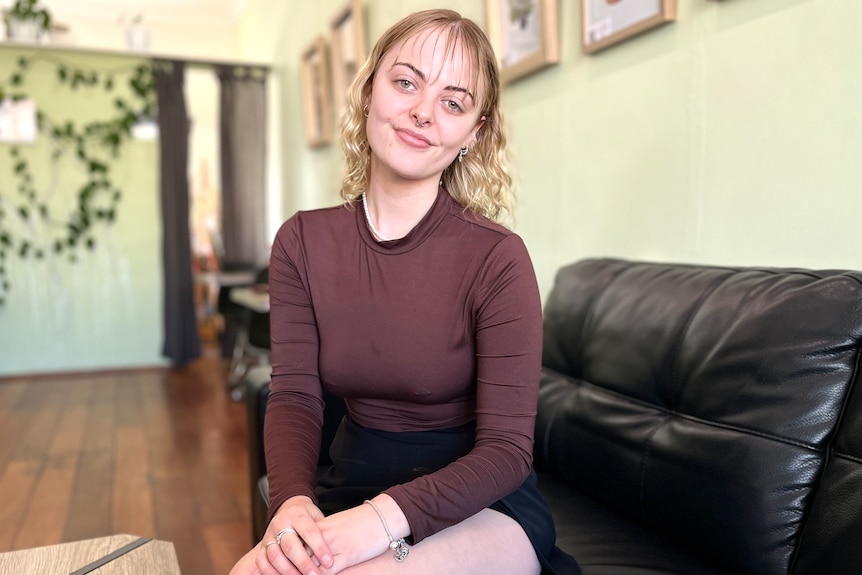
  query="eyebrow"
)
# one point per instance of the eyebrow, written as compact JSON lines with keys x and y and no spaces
{"x":421,"y":75}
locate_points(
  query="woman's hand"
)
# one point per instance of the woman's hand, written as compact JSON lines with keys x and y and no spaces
{"x":322,"y":545}
{"x":293,"y":543}
{"x":357,"y":535}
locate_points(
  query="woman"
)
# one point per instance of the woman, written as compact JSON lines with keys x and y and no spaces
{"x":424,"y":314}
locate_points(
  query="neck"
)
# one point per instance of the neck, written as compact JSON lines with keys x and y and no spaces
{"x":392,"y":215}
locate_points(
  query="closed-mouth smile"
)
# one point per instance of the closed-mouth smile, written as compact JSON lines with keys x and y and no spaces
{"x":413,"y":138}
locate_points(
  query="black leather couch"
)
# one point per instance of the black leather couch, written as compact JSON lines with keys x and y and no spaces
{"x":699,"y":420}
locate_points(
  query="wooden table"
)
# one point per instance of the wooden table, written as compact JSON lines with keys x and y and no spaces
{"x":213,"y":281}
{"x":255,"y":298}
{"x":226,"y":279}
{"x":150,"y":558}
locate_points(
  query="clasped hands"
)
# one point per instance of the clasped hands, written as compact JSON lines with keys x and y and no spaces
{"x":301,"y":540}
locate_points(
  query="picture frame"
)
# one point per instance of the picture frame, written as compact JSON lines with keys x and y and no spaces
{"x":349,"y":50}
{"x":607,"y":22}
{"x":317,"y":104}
{"x":525,"y":35}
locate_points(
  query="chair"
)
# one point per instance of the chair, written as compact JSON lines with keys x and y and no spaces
{"x":252,"y":345}
{"x":233,"y":314}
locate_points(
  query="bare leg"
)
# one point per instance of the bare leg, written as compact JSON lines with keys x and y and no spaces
{"x":488,"y":543}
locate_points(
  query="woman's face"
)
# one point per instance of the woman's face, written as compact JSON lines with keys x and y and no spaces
{"x":421,"y":110}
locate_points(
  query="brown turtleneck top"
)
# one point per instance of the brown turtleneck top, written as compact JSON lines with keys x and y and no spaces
{"x":431,"y":331}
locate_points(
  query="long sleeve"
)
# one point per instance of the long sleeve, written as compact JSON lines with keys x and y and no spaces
{"x":294,"y":412}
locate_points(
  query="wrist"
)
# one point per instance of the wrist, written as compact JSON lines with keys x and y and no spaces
{"x":291,"y":501}
{"x":397,"y":544}
{"x":395,"y":518}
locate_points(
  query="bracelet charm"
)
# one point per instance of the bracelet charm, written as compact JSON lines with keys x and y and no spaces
{"x":399,"y":546}
{"x":401,"y":549}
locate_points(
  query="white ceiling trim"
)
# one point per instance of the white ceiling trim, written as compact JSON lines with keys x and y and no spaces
{"x":192,"y":13}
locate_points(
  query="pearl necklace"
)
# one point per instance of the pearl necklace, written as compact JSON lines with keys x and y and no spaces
{"x":371,"y":227}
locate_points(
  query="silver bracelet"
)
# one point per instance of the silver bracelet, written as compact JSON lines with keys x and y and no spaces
{"x":398,"y":546}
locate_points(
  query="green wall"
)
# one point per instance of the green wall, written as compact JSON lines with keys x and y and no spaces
{"x":103,"y":311}
{"x":731,"y":136}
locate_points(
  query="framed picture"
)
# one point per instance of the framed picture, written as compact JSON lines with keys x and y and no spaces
{"x":606,"y":22}
{"x":525,"y":35}
{"x":317,"y":104}
{"x":348,"y":49}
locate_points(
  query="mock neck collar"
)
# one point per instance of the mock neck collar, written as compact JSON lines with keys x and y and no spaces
{"x":420,"y":232}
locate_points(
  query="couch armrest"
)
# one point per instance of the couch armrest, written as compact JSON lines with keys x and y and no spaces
{"x":256,"y":395}
{"x":554,"y":390}
{"x":256,"y":384}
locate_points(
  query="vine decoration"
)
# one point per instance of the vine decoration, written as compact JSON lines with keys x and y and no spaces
{"x":97,"y":198}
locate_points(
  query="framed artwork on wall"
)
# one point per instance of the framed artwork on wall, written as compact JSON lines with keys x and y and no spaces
{"x":606,"y":22}
{"x":525,"y":35}
{"x":348,"y":49}
{"x":317,"y":104}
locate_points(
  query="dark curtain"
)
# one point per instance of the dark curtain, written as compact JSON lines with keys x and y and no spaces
{"x":182,"y":341}
{"x":242,"y":111}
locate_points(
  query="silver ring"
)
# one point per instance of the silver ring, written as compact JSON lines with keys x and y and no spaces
{"x":282,"y":532}
{"x":265,"y":547}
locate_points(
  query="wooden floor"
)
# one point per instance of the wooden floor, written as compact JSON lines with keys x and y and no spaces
{"x":158,"y":453}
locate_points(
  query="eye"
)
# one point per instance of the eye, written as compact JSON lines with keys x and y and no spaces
{"x":453,"y":106}
{"x":404,"y":84}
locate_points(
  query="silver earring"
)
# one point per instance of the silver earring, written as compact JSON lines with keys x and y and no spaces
{"x":463,"y":152}
{"x":365,"y":110}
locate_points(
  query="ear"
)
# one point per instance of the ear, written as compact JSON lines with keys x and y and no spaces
{"x":366,"y":92}
{"x":472,"y":137}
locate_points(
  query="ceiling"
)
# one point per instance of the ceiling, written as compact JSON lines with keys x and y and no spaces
{"x":194,"y":12}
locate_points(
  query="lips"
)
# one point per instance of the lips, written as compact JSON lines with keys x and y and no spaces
{"x":412,"y":138}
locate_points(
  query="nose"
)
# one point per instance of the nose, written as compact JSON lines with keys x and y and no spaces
{"x":421,"y":121}
{"x":420,"y":114}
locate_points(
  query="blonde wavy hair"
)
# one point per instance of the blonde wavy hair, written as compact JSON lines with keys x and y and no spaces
{"x":480,"y":182}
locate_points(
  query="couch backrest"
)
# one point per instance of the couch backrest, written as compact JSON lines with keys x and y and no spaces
{"x":714,"y":405}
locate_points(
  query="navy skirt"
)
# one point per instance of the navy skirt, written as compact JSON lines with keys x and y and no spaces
{"x":366,"y":462}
